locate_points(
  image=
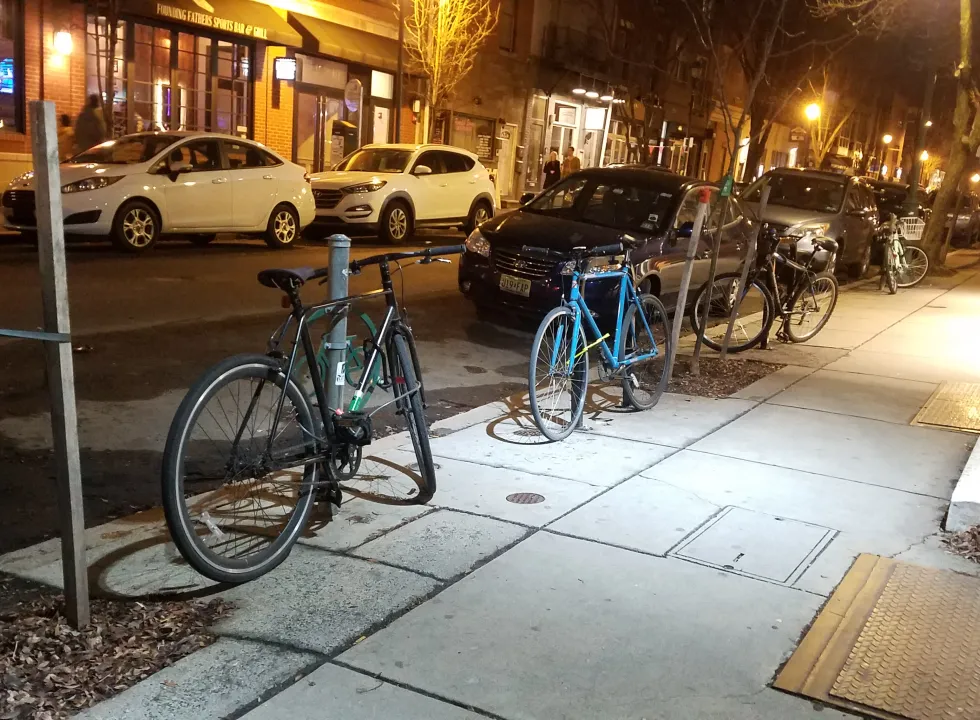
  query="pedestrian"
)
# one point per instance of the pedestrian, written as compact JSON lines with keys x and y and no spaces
{"x":552,"y":170}
{"x":571,"y":164}
{"x":66,"y":138}
{"x":90,"y":125}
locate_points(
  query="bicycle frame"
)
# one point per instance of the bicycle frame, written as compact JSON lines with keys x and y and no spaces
{"x":627,"y":294}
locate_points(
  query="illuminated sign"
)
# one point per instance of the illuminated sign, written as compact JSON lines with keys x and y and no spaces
{"x":209,"y":20}
{"x":284,"y":68}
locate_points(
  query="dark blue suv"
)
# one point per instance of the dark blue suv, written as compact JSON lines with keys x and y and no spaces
{"x":652,"y":210}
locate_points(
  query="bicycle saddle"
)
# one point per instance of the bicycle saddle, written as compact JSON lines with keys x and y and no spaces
{"x":826,"y":244}
{"x":286,"y":278}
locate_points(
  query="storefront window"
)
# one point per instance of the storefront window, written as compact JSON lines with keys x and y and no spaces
{"x":11,"y":65}
{"x":179,"y":80}
{"x":473,"y":134}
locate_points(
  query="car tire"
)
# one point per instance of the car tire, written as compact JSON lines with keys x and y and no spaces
{"x":203,"y":239}
{"x":859,"y":269}
{"x":396,"y":225}
{"x":136,"y":227}
{"x":283,"y":228}
{"x":479,"y":214}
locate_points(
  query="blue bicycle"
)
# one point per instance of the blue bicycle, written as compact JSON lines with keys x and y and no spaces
{"x":558,"y":377}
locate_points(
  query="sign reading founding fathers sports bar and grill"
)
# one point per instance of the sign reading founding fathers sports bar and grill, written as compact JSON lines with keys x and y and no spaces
{"x":209,"y":20}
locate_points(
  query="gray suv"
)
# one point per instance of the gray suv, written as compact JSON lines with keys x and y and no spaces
{"x":816,"y":202}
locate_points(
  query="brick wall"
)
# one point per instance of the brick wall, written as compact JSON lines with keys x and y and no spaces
{"x":409,"y":124}
{"x":273,"y":104}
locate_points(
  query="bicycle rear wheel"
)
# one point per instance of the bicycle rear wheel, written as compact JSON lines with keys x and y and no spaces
{"x":912,"y":267}
{"x":238,"y":484}
{"x":752,"y":322}
{"x":646,"y":380}
{"x":812,"y":306}
{"x":383,"y":480}
{"x":557,"y":382}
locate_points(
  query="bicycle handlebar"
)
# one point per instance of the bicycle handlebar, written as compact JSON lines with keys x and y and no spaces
{"x":612,"y":249}
{"x":424,"y":253}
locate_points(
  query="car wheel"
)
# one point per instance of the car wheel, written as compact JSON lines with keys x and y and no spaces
{"x":202,"y":240}
{"x":481,"y":212}
{"x":283,"y":228}
{"x":136,"y":227}
{"x":859,"y":269}
{"x":396,"y":223}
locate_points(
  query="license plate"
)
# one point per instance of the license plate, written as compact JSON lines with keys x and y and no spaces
{"x":516,"y":285}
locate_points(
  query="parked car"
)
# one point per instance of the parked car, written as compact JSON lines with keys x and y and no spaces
{"x":819,"y":202}
{"x":392,"y":190}
{"x":138,"y":187}
{"x":966,"y":230}
{"x":653,"y":210}
{"x":890,"y":198}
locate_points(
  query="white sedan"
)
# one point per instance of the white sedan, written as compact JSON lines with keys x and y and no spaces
{"x":138,"y":187}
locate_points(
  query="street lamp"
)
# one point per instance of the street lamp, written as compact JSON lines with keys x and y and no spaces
{"x":812,"y":112}
{"x":887,"y":139}
{"x":928,"y":123}
{"x":975,"y":179}
{"x":924,"y":156}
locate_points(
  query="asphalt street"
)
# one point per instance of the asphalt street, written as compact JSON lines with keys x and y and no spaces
{"x":144,"y":328}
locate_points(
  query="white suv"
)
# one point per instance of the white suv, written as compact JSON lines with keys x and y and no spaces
{"x":390,"y":190}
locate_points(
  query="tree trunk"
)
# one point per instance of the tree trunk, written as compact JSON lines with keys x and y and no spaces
{"x":758,"y":139}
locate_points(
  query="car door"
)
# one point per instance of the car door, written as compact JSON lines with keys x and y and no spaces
{"x":430,"y":192}
{"x":675,"y":249}
{"x":734,"y":236}
{"x":856,"y":225}
{"x":461,"y":184}
{"x":199,"y":199}
{"x":254,"y":183}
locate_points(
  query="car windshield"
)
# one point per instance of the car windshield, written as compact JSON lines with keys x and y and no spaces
{"x":804,"y":192}
{"x":610,"y":202}
{"x":380,"y":160}
{"x":889,"y":197}
{"x":126,"y":150}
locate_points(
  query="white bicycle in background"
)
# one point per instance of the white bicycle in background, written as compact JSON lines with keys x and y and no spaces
{"x":902,"y":265}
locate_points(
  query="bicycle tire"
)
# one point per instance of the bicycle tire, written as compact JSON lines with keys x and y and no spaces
{"x":660,"y":328}
{"x":383,"y":481}
{"x":580,"y":368}
{"x":920,"y":262}
{"x":800,"y":295}
{"x":734,"y":346}
{"x":891,"y":281}
{"x":191,"y":544}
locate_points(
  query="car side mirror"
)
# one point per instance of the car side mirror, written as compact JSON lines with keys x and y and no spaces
{"x":422,"y":170}
{"x":176,"y":168}
{"x":526,"y":198}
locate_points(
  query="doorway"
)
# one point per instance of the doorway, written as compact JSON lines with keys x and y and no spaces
{"x":381,"y":115}
{"x":314,"y":145}
{"x":505,"y":160}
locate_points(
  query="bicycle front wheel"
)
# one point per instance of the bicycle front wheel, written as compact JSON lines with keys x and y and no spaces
{"x":812,"y":306}
{"x":381,"y":480}
{"x":239,"y":479}
{"x":557,"y":382}
{"x":751,"y":322}
{"x":645,"y":379}
{"x":912,"y":267}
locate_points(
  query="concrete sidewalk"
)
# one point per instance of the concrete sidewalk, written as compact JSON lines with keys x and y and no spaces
{"x":672,"y":565}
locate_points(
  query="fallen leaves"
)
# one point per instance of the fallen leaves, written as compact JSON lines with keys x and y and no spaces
{"x":966,"y":543}
{"x":49,"y":671}
{"x":717,"y":378}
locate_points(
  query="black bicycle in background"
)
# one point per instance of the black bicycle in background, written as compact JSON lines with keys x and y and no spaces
{"x":250,"y":452}
{"x":795,"y":283}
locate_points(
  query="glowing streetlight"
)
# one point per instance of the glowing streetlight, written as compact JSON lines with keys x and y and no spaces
{"x":812,"y":112}
{"x":887,"y":139}
{"x":928,"y":123}
{"x":924,"y":156}
{"x":975,"y":179}
{"x":63,"y":42}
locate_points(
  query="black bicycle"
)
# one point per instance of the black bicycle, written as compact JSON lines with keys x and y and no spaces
{"x":795,"y":283}
{"x":250,"y":452}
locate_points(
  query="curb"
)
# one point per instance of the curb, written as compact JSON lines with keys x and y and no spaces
{"x":964,"y":505}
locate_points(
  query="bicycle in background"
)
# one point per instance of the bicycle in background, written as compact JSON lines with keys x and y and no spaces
{"x":902,"y":265}
{"x":249,"y":451}
{"x":558,"y":376}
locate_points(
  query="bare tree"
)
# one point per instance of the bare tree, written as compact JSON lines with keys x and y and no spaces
{"x":835,"y":113}
{"x":884,"y":14}
{"x":442,"y":38}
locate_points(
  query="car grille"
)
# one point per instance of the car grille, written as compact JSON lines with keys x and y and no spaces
{"x":525,"y":266}
{"x":21,"y":202}
{"x":327,"y":199}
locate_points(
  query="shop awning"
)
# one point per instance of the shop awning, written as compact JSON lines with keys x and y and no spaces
{"x":243,"y":18}
{"x":348,"y":43}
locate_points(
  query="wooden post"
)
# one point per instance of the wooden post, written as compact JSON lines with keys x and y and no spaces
{"x":61,"y":378}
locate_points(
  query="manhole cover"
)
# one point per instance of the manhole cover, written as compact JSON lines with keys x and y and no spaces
{"x":525,"y":498}
{"x":954,"y":405}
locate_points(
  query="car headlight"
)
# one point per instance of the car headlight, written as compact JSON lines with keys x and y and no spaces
{"x":478,"y":244}
{"x":804,"y":229}
{"x":606,"y":263}
{"x":368,"y":187}
{"x":93,"y":183}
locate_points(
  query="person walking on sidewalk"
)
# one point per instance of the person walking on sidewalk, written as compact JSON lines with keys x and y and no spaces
{"x":90,"y":125}
{"x":552,"y":170}
{"x":571,"y":164}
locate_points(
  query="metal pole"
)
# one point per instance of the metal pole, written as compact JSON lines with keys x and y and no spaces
{"x":749,"y":260}
{"x":399,"y":79}
{"x":912,"y":199}
{"x":692,"y":251}
{"x":60,"y":370}
{"x":337,"y":289}
{"x":952,"y":227}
